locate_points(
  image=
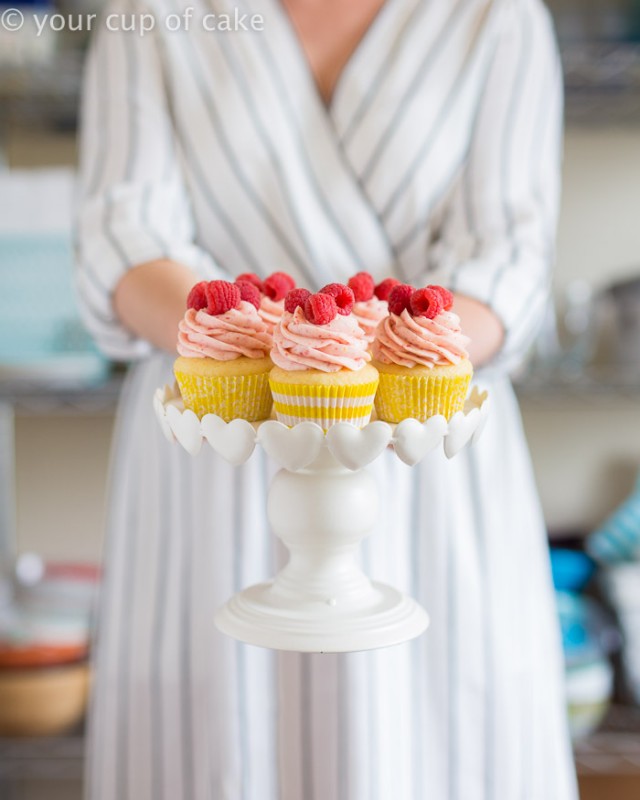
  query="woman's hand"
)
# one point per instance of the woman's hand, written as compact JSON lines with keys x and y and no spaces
{"x":483,"y":327}
{"x":150,"y":300}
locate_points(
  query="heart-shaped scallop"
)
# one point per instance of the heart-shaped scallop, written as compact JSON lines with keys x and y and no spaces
{"x":294,"y":448}
{"x":413,"y":439}
{"x":484,"y":406}
{"x":161,"y":414}
{"x":461,"y":428}
{"x":475,"y":398}
{"x":235,"y":441}
{"x":355,"y":447}
{"x":172,"y":392}
{"x":186,"y":427}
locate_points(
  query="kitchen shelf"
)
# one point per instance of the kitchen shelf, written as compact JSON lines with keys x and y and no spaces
{"x":37,"y":398}
{"x":602,"y":86}
{"x":28,"y":397}
{"x":43,"y":758}
{"x":615,"y":748}
{"x":592,"y":385}
{"x":42,"y":94}
{"x":602,"y":82}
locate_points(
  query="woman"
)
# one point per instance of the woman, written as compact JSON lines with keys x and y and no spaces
{"x":412,"y":138}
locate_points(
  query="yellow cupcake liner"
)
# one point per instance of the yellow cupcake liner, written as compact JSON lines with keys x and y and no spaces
{"x":230,"y":397}
{"x":323,"y":404}
{"x":420,"y":396}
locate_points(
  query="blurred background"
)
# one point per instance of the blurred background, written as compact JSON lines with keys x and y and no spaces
{"x":579,"y":391}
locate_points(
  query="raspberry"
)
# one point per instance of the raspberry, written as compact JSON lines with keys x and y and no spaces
{"x":426,"y":303}
{"x":295,"y":298}
{"x":399,"y":298}
{"x":383,"y":289}
{"x":277,"y":285}
{"x":343,"y":296}
{"x":362,"y":285}
{"x":320,"y":308}
{"x":249,"y":292}
{"x":221,"y":296}
{"x":251,"y":277}
{"x":198,"y":296}
{"x":445,"y":296}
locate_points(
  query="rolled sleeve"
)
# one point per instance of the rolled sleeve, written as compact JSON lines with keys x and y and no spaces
{"x":497,"y":241}
{"x":133,"y":205}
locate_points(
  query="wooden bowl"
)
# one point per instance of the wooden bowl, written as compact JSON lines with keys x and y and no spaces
{"x":42,"y":701}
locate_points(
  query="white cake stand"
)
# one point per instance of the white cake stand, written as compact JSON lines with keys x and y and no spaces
{"x":321,"y":601}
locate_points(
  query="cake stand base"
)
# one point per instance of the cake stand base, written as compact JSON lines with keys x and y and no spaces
{"x":259,"y":616}
{"x":321,"y":505}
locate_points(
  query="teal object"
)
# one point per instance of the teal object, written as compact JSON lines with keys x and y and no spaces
{"x":618,"y":539}
{"x":40,"y":324}
{"x":587,"y":631}
{"x":571,"y":569}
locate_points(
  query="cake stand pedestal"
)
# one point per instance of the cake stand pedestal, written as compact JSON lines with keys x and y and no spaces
{"x":321,"y":601}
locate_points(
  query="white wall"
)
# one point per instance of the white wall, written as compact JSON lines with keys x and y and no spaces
{"x":599,"y":232}
{"x":61,"y":473}
{"x":586,"y":451}
{"x":585,"y":454}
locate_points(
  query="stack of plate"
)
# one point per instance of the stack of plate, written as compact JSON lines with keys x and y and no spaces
{"x":44,"y":647}
{"x":621,"y":584}
{"x":588,"y":637}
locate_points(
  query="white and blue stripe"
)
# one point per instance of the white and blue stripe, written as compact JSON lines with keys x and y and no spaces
{"x":437,"y":160}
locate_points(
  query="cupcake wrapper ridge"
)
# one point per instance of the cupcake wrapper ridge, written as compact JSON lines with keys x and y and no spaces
{"x":230,"y":397}
{"x":420,"y":397}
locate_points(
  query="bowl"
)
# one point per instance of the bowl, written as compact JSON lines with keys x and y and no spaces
{"x":571,"y":569}
{"x":589,"y":687}
{"x":42,"y":701}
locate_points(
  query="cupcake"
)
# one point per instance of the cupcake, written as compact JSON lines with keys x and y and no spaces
{"x":420,"y":353}
{"x":224,"y":360}
{"x":272,"y":293}
{"x":321,"y":371}
{"x":368,"y":308}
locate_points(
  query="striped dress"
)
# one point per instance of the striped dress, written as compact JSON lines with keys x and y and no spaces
{"x":437,"y":161}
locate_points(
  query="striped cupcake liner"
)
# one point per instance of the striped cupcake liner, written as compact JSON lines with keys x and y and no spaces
{"x":420,"y":397}
{"x":230,"y":397}
{"x":325,"y":405}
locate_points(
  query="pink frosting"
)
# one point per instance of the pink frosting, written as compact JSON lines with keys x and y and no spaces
{"x":409,"y":341}
{"x":369,"y":313}
{"x":340,"y":344}
{"x":270,"y":312}
{"x":238,"y":332}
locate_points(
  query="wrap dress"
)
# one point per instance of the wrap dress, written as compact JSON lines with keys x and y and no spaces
{"x":437,"y":161}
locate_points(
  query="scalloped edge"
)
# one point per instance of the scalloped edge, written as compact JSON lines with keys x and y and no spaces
{"x":351,"y":453}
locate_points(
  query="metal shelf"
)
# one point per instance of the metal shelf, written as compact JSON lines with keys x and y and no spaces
{"x":602,"y":82}
{"x":41,"y":397}
{"x":46,"y":758}
{"x":43,"y":94}
{"x":602,"y":86}
{"x":592,"y":384}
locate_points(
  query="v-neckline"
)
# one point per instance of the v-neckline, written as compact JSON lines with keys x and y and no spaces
{"x":356,"y":55}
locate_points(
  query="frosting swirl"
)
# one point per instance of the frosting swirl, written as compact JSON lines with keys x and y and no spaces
{"x":237,"y":332}
{"x":410,"y":341}
{"x":270,"y":312}
{"x":368,"y":313}
{"x":298,"y":344}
